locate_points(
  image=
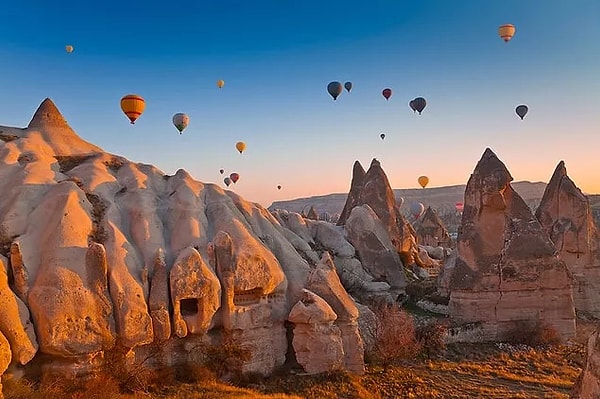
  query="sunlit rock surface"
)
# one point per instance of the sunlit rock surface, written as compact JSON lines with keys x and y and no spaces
{"x":565,"y":215}
{"x":506,"y":270}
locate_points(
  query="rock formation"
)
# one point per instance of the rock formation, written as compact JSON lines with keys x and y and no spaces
{"x":317,"y":341}
{"x":430,"y":230}
{"x":507,"y":270}
{"x":565,"y":215}
{"x":111,"y":255}
{"x":588,"y":383}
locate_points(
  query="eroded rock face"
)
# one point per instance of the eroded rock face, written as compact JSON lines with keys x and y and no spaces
{"x":325,"y":282}
{"x":317,"y":341}
{"x":565,"y":215}
{"x":505,"y":260}
{"x":377,"y":253}
{"x":588,"y":383}
{"x":431,"y":231}
{"x":14,"y":321}
{"x":195,"y":294}
{"x":5,"y":358}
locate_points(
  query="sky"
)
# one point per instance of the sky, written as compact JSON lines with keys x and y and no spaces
{"x":277,"y":57}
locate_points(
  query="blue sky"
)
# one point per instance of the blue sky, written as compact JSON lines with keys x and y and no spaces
{"x":276,"y":58}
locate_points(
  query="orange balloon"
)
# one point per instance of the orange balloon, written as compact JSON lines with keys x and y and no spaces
{"x":133,"y":106}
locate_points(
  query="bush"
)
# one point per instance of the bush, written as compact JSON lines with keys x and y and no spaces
{"x":536,"y":334}
{"x":431,"y":338}
{"x":394,"y":339}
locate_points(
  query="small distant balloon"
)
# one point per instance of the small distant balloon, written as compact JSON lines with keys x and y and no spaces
{"x":382,"y":135}
{"x":459,"y":206}
{"x":334,"y":89}
{"x":423,"y":181}
{"x":279,"y":187}
{"x":234,"y":177}
{"x":400,"y":201}
{"x":227,"y":181}
{"x":417,"y":209}
{"x":221,"y":171}
{"x":220,"y":83}
{"x":348,"y":86}
{"x":181,"y":121}
{"x":419,"y":103}
{"x":506,"y":32}
{"x":522,"y":110}
{"x":240,"y":146}
{"x":69,"y":48}
{"x":387,"y":93}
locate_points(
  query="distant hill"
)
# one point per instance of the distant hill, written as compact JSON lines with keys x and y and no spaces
{"x":443,"y":199}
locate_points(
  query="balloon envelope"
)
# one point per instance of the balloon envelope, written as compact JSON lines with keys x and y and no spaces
{"x":69,"y":48}
{"x":348,"y":86}
{"x":382,"y":135}
{"x":227,"y":181}
{"x":220,"y":83}
{"x":416,"y":208}
{"x":181,"y":121}
{"x":221,"y":171}
{"x":387,"y":93}
{"x":234,"y":177}
{"x":411,"y":104}
{"x":459,"y":206}
{"x":240,"y":146}
{"x":400,"y":201}
{"x":279,"y":187}
{"x":506,"y":32}
{"x":419,"y":103}
{"x":423,"y":181}
{"x":334,"y":89}
{"x":133,"y":106}
{"x":522,"y":110}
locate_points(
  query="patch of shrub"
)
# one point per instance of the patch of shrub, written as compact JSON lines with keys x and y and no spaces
{"x":431,"y":338}
{"x":537,"y":334}
{"x":394,"y":336}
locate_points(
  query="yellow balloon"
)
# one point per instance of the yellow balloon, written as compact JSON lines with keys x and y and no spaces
{"x":220,"y":84}
{"x":506,"y":31}
{"x":240,"y":146}
{"x":133,"y":106}
{"x":423,"y":180}
{"x":69,"y":48}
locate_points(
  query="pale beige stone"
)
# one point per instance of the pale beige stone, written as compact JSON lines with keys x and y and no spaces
{"x":317,"y":341}
{"x":195,"y":294}
{"x":14,"y":321}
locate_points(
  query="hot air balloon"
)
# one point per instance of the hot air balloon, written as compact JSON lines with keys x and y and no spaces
{"x":220,"y":83}
{"x":459,"y":206}
{"x":334,"y":89}
{"x":387,"y":93}
{"x":69,"y":48}
{"x":506,"y":32}
{"x":221,"y":171}
{"x":423,"y":181}
{"x":181,"y":120}
{"x":419,"y":104}
{"x":382,"y":135}
{"x":400,"y":201}
{"x":234,"y":177}
{"x":279,"y":187}
{"x":411,"y":104}
{"x":240,"y":146}
{"x":416,"y":209}
{"x":227,"y":181}
{"x":133,"y":106}
{"x":521,"y":110}
{"x":348,"y":86}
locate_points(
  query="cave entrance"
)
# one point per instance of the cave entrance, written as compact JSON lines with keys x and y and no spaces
{"x":189,"y":306}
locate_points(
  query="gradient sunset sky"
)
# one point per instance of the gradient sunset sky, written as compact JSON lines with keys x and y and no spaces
{"x":278,"y":56}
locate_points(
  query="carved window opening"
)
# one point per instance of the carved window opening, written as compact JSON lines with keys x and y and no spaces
{"x":189,"y":306}
{"x":248,"y":297}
